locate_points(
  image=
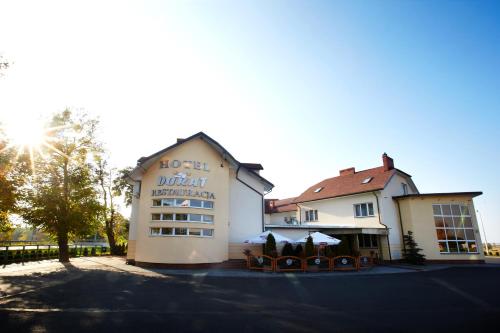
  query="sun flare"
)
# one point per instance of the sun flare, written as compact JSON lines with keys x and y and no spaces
{"x":30,"y":138}
{"x":26,"y":135}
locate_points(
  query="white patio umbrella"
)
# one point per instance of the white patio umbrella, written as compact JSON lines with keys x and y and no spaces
{"x":320,"y":239}
{"x":262,"y":238}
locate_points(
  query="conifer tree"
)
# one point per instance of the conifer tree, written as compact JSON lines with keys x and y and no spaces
{"x":309,"y":247}
{"x":270,"y":245}
{"x":298,"y":251}
{"x":411,"y":252}
{"x":287,"y":250}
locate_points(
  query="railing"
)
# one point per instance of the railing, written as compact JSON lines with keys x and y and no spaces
{"x":25,"y":253}
{"x":288,"y":264}
{"x":316,"y":264}
{"x":309,"y":264}
{"x":262,"y":263}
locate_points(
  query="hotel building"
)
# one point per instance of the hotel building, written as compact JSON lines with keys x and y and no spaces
{"x":371,"y":210}
{"x":194,"y":203}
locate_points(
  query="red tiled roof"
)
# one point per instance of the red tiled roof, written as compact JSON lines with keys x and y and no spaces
{"x":280,"y":206}
{"x":347,"y":184}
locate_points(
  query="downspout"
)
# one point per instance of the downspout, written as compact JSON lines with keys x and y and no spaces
{"x":300,"y":214}
{"x":260,"y":194}
{"x":386,"y":227}
{"x":401,"y":224}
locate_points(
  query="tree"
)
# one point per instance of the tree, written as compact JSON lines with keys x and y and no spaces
{"x":121,"y":185}
{"x":8,"y":195}
{"x":104,"y":177}
{"x":270,"y":245}
{"x":309,"y":247}
{"x":411,"y":251}
{"x":61,"y":198}
{"x":287,"y":250}
{"x":13,"y":169}
{"x":298,"y":250}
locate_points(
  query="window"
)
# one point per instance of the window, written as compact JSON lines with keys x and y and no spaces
{"x":195,"y":232}
{"x":368,"y":241}
{"x":367,"y":180}
{"x":195,"y":217}
{"x":207,"y":232}
{"x":181,"y":231}
{"x":363,"y":209}
{"x":168,"y":202}
{"x":208,"y":204}
{"x":179,"y":202}
{"x":166,"y":231}
{"x":182,"y":217}
{"x":405,"y":188}
{"x":318,"y":189}
{"x":454,"y":229}
{"x":208,"y":218}
{"x":167,"y":217}
{"x":311,"y":215}
{"x":195,"y":203}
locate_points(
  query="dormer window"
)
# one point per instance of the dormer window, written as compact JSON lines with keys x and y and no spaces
{"x":405,"y":188}
{"x":367,"y":180}
{"x":318,"y":189}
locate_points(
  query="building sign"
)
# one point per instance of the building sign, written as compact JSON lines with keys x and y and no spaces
{"x":182,"y":193}
{"x":182,"y":179}
{"x":193,"y":185}
{"x":186,"y":164}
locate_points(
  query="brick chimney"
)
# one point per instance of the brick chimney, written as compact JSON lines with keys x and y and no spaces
{"x":269,"y":205}
{"x":346,"y":172}
{"x":388,"y":162}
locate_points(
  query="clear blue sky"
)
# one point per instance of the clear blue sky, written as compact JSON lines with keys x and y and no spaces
{"x":298,"y":86}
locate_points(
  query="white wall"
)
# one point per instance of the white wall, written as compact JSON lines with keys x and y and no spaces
{"x":389,"y":212}
{"x":279,"y":218}
{"x":340,"y":212}
{"x":245,"y":210}
{"x":134,"y":215}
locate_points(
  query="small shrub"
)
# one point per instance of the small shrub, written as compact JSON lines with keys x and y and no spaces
{"x":298,"y":252}
{"x":411,"y":252}
{"x":287,"y":250}
{"x":92,"y":252}
{"x":86,"y":252}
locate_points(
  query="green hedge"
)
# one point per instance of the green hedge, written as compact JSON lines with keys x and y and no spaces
{"x":15,"y":256}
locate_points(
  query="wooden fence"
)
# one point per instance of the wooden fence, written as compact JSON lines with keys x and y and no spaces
{"x":309,"y":264}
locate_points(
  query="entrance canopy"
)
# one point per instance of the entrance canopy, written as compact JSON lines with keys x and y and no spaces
{"x":262,"y":238}
{"x":320,"y":239}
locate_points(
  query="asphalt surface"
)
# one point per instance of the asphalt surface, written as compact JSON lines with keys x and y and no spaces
{"x":102,"y":298}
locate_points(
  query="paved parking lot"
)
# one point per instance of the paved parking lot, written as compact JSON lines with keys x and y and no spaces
{"x":104,"y":294}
